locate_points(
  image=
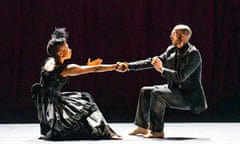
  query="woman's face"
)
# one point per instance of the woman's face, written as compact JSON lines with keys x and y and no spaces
{"x":65,"y":52}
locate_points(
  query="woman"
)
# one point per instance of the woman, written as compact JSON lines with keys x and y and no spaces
{"x":67,"y":115}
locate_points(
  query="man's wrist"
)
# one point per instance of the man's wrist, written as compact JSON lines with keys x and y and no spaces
{"x":162,"y":69}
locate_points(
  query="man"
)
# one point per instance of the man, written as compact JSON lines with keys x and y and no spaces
{"x":181,"y":65}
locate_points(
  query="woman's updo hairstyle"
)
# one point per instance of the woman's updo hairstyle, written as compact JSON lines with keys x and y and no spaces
{"x":58,"y":38}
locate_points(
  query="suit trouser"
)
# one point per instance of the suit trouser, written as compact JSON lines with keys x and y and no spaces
{"x":152,"y":102}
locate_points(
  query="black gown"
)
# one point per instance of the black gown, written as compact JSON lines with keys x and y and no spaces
{"x":67,"y":115}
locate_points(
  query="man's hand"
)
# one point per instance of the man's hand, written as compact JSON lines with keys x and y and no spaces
{"x":157,"y":64}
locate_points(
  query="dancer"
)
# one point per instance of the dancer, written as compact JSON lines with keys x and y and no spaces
{"x":68,"y":115}
{"x":181,"y":65}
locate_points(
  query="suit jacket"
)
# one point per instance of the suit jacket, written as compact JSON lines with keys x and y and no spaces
{"x":182,"y":68}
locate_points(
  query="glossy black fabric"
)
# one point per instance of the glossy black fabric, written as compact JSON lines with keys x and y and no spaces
{"x":152,"y":103}
{"x":67,"y":115}
{"x":183,"y":72}
{"x":182,"y":69}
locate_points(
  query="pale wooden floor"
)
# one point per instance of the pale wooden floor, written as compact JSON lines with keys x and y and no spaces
{"x":176,"y":133}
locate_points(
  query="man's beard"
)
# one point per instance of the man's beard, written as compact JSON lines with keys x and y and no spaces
{"x":177,"y":42}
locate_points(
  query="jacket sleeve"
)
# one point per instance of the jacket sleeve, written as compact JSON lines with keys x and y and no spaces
{"x":146,"y":64}
{"x":163,"y":56}
{"x":193,"y":60}
{"x":140,"y":65}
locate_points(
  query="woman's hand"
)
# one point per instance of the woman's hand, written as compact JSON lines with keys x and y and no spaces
{"x":97,"y":61}
{"x":122,"y":66}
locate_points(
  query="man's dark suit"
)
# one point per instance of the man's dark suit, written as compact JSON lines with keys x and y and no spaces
{"x":182,"y":69}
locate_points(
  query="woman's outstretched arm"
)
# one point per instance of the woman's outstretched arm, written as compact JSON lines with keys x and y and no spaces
{"x":75,"y":70}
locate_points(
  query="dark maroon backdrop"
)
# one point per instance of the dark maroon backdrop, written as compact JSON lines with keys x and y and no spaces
{"x":119,"y":30}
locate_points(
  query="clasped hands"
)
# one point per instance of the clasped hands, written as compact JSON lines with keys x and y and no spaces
{"x":122,"y":66}
{"x":156,"y":62}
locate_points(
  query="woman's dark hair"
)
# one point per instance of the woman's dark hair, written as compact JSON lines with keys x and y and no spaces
{"x":58,"y":38}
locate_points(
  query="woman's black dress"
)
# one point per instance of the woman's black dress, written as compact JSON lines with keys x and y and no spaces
{"x":67,"y":115}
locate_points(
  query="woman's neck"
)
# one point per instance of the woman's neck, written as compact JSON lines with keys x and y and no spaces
{"x":59,"y":61}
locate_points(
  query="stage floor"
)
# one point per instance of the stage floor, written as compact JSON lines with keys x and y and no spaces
{"x":175,"y":133}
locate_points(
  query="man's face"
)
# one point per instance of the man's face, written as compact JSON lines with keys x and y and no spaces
{"x":175,"y":37}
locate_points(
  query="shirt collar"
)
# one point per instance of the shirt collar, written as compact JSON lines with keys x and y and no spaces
{"x":183,"y":49}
